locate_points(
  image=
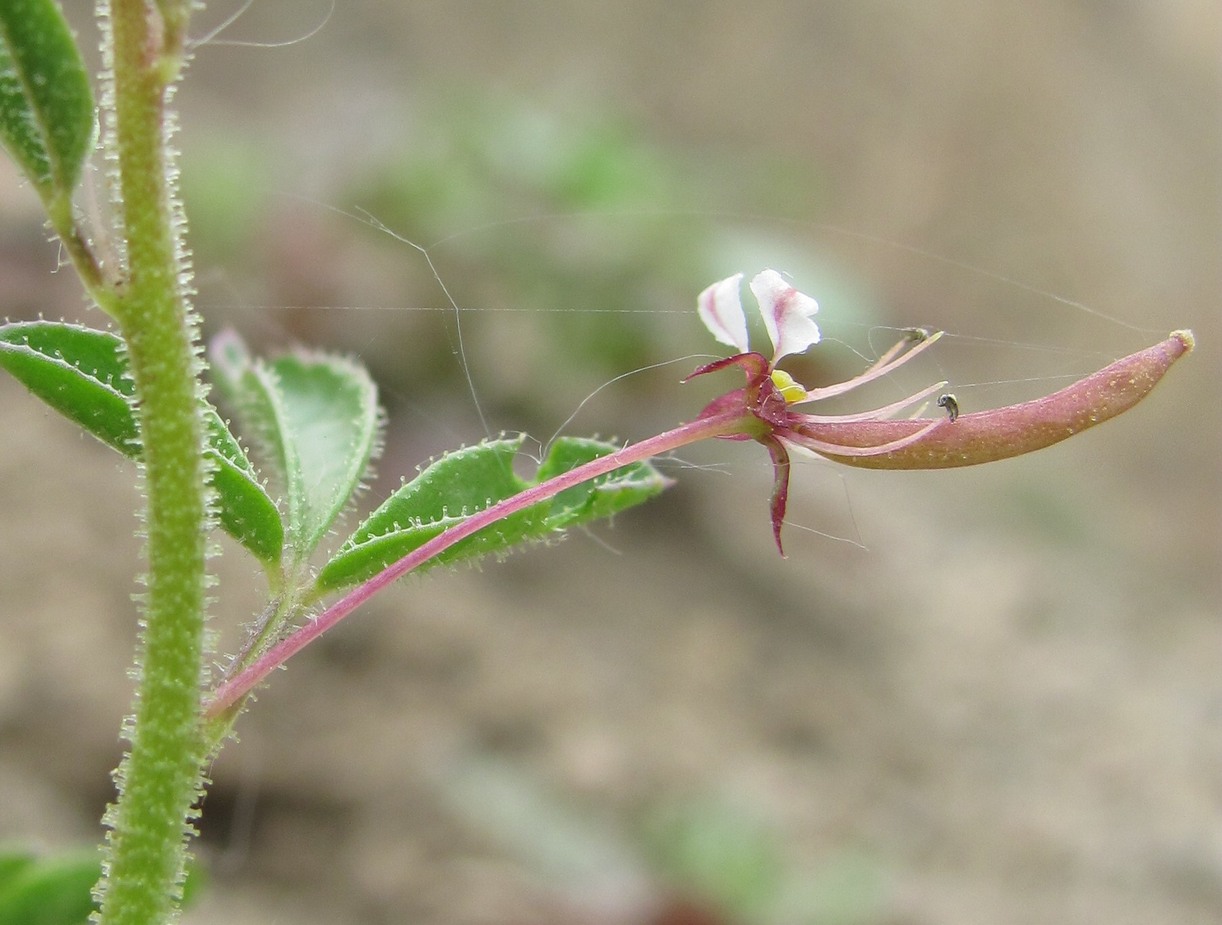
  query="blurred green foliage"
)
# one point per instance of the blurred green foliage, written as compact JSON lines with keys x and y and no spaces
{"x":596,"y":226}
{"x":56,"y":888}
{"x":715,"y":852}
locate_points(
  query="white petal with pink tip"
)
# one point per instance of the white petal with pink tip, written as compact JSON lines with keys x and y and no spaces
{"x":787,"y":314}
{"x":721,"y":310}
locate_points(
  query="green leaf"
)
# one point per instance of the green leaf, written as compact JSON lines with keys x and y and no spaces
{"x":46,"y":105}
{"x":316,"y":419}
{"x":443,"y":494}
{"x":466,"y":481}
{"x":79,"y":372}
{"x":83,"y":374}
{"x":57,"y":890}
{"x":244,"y":509}
{"x":601,"y":497}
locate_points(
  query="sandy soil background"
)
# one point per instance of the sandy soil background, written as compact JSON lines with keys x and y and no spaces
{"x":990,"y":696}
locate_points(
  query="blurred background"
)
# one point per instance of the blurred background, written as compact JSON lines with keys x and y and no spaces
{"x":989,"y":695}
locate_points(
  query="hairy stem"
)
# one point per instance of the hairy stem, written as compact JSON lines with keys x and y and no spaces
{"x":160,"y":776}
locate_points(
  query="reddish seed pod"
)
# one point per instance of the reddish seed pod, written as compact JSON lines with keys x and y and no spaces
{"x":986,"y":436}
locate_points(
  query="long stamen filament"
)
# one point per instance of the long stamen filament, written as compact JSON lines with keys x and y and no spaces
{"x":885,"y":411}
{"x":891,"y":360}
{"x":839,"y":449}
{"x":911,"y":337}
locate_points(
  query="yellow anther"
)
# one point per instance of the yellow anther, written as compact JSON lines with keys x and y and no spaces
{"x":790,"y":390}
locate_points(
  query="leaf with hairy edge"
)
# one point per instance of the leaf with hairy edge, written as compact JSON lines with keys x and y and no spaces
{"x":466,"y":481}
{"x":80,"y":372}
{"x":83,"y":374}
{"x":445,"y":493}
{"x":315,"y":418}
{"x":601,"y":497}
{"x":246,"y":512}
{"x":46,"y":105}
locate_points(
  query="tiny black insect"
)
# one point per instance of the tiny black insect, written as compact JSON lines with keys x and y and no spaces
{"x":950,"y":403}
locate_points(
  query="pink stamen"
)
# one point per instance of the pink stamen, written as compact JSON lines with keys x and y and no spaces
{"x":878,"y":413}
{"x":801,"y":438}
{"x":887,"y":363}
{"x":911,"y":336}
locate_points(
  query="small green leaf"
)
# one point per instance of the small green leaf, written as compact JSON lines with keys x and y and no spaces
{"x":79,"y":372}
{"x":445,"y":493}
{"x":466,"y":481}
{"x":315,"y":417}
{"x":56,"y":890}
{"x":46,"y":105}
{"x":601,"y":497}
{"x":83,"y":374}
{"x":244,"y":509}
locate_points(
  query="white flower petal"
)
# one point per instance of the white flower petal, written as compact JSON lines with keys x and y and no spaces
{"x":786,"y":314}
{"x":721,"y":310}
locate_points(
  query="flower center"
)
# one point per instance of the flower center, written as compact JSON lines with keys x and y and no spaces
{"x":790,"y":390}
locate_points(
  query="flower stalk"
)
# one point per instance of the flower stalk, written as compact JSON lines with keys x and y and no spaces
{"x":230,"y":693}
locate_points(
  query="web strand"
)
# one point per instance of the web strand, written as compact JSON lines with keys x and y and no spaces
{"x":212,"y":37}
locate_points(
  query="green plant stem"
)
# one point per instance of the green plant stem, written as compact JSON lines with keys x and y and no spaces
{"x":160,"y":777}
